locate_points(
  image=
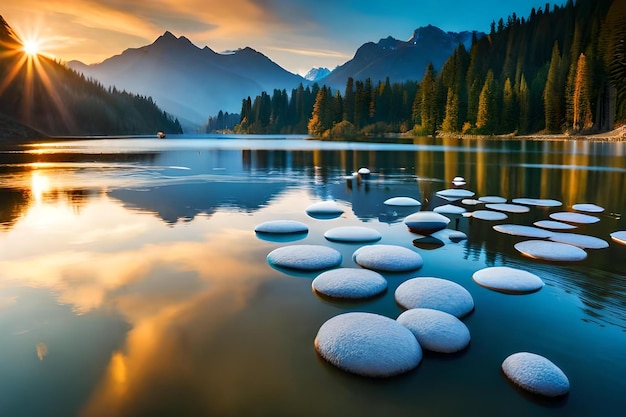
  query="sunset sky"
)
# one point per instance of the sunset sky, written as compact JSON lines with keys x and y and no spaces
{"x":296,"y":34}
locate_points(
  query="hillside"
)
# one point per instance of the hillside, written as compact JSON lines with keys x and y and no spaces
{"x":44,"y":95}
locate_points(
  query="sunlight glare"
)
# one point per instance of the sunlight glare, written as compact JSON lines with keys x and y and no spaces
{"x":31,"y":47}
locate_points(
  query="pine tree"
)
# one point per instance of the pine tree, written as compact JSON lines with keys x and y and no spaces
{"x":581,"y":101}
{"x":429,"y":91}
{"x":487,"y":110}
{"x":508,"y":107}
{"x":552,"y":96}
{"x":451,"y":121}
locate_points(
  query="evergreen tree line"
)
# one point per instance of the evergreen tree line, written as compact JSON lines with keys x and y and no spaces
{"x":223,"y":122}
{"x":562,"y":69}
{"x":48,"y":96}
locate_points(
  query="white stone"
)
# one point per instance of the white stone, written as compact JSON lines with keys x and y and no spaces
{"x":305,"y":257}
{"x":619,"y":236}
{"x":589,"y":208}
{"x":388,"y":258}
{"x":402,"y":201}
{"x":566,"y":216}
{"x":536,"y":374}
{"x":455,"y":193}
{"x":282,"y":227}
{"x":554,"y":225}
{"x":353,"y":234}
{"x":327,"y":207}
{"x":508,"y":280}
{"x":368,"y":344}
{"x":541,"y":202}
{"x":435,"y":293}
{"x":520,"y":230}
{"x":489,"y":215}
{"x":426,"y":222}
{"x":349,"y":283}
{"x":364,"y":171}
{"x":471,"y":202}
{"x":436,"y":330}
{"x":582,"y":241}
{"x":449,"y":209}
{"x":458,"y":181}
{"x":452,"y":235}
{"x":550,"y":251}
{"x":509,"y":208}
{"x":494,"y":199}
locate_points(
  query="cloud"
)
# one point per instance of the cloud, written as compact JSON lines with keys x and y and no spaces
{"x":311,"y":52}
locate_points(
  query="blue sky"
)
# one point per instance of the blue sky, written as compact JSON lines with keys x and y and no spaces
{"x":298,"y":35}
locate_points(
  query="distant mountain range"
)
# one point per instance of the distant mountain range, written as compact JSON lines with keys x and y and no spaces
{"x":190,"y":82}
{"x":194,"y":83}
{"x":401,"y":60}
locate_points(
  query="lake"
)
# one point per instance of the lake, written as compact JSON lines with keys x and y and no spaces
{"x":132,"y":282}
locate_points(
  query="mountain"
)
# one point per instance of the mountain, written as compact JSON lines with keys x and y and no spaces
{"x":40,"y":94}
{"x":317,"y":74}
{"x":190,"y":82}
{"x":401,"y":60}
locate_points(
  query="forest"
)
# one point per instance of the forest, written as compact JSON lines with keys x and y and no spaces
{"x":43,"y":94}
{"x":560,"y":70}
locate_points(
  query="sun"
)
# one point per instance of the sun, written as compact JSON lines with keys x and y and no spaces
{"x":31,"y":47}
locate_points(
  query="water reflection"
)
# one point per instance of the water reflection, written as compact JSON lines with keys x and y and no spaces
{"x":138,"y":281}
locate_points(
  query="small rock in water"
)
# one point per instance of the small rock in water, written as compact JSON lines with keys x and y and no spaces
{"x":368,"y":344}
{"x":493,"y":199}
{"x":619,"y":236}
{"x":554,"y":225}
{"x":566,"y":216}
{"x":536,"y":374}
{"x":509,"y":208}
{"x":489,"y":215}
{"x":282,"y":227}
{"x":589,"y":208}
{"x":352,"y":234}
{"x":582,"y":241}
{"x":350,"y":283}
{"x":402,"y":201}
{"x":521,"y":230}
{"x":426,"y":222}
{"x":388,"y":258}
{"x":435,"y":293}
{"x":550,"y":251}
{"x":449,"y":209}
{"x":436,"y":330}
{"x":305,"y":257}
{"x":508,"y":280}
{"x":541,"y":202}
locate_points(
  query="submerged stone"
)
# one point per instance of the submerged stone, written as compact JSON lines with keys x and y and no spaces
{"x":449,"y":209}
{"x":589,"y":208}
{"x":550,"y":251}
{"x":493,"y":199}
{"x":282,"y":227}
{"x":435,"y":293}
{"x":436,"y":330}
{"x":352,"y":234}
{"x":619,"y":236}
{"x":582,"y":241}
{"x":566,"y":216}
{"x":324,"y":208}
{"x":508,"y":280}
{"x":541,"y":202}
{"x":509,"y":208}
{"x":455,"y":193}
{"x":305,"y":257}
{"x":349,"y":283}
{"x":368,"y":344}
{"x":554,"y":225}
{"x":520,"y":230}
{"x":536,"y":374}
{"x":402,"y":201}
{"x":489,"y":215}
{"x":388,"y":258}
{"x":426,"y":222}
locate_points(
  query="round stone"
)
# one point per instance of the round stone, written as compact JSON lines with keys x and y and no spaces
{"x":426,"y":222}
{"x":536,"y":374}
{"x":282,"y":227}
{"x":589,"y":208}
{"x":436,"y":330}
{"x":368,"y":344}
{"x":471,"y":202}
{"x":328,"y":207}
{"x":494,"y":199}
{"x":458,"y":181}
{"x":305,"y":257}
{"x":554,"y":225}
{"x":550,"y":251}
{"x":402,"y":201}
{"x":566,"y":216}
{"x":455,"y":193}
{"x":428,"y":243}
{"x":508,"y":280}
{"x":509,"y":208}
{"x":435,"y":293}
{"x":582,"y":241}
{"x":349,"y":283}
{"x":453,"y":235}
{"x":489,"y":215}
{"x":353,"y":234}
{"x":520,"y":230}
{"x":619,"y":236}
{"x":449,"y":209}
{"x":388,"y":258}
{"x":541,"y":202}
